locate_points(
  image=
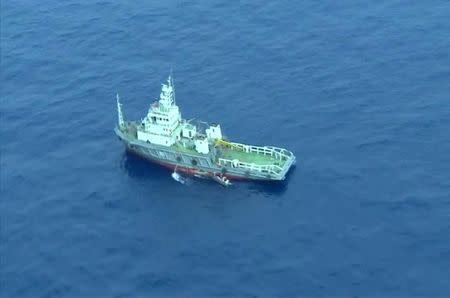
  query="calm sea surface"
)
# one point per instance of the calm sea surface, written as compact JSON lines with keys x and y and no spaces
{"x":360,"y":91}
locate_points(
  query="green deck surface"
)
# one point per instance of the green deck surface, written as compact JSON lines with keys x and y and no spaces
{"x":258,"y":159}
{"x":180,"y":148}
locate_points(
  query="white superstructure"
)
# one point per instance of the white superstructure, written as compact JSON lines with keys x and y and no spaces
{"x":164,"y":125}
{"x":162,"y":120}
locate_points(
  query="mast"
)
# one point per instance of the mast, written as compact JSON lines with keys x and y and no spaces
{"x":121,"y":122}
{"x":167,"y":97}
{"x":173,"y":86}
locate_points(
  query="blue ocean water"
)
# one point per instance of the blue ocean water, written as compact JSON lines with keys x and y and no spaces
{"x":360,"y":91}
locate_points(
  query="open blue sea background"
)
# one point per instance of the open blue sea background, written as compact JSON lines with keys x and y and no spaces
{"x":360,"y":91}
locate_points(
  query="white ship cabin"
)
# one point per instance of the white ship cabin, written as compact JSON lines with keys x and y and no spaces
{"x":164,"y":126}
{"x":202,"y":145}
{"x":188,"y":131}
{"x":214,"y":132}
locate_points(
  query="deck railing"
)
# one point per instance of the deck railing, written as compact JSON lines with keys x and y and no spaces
{"x":269,"y":169}
{"x":278,"y":153}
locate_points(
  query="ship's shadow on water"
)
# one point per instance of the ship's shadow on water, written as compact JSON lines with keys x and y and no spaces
{"x":268,"y":188}
{"x":272,"y":188}
{"x":141,"y":169}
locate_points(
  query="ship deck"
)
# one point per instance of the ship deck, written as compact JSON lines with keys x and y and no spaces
{"x":179,"y":147}
{"x":255,"y":158}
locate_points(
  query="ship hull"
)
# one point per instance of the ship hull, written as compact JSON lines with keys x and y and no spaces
{"x":191,"y":171}
{"x":195,"y":164}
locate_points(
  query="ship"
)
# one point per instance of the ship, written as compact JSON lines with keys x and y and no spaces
{"x":197,"y":148}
